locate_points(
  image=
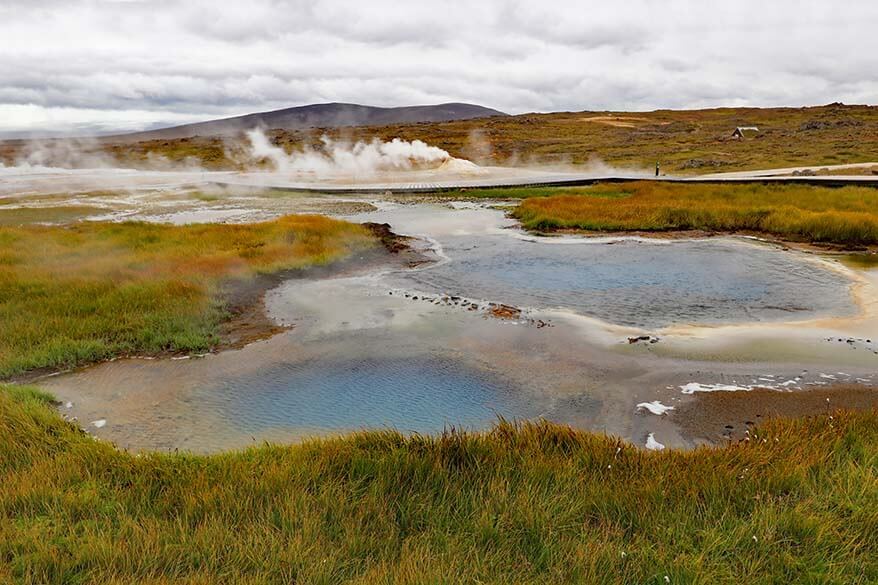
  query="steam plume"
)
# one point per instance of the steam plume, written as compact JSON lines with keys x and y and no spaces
{"x":360,"y":158}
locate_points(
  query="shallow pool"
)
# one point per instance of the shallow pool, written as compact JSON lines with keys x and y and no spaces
{"x":358,"y":355}
{"x":639,"y":283}
{"x":422,"y":394}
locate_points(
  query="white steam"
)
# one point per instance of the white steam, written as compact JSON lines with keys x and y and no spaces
{"x":87,"y":154}
{"x":66,"y":153}
{"x":360,"y":158}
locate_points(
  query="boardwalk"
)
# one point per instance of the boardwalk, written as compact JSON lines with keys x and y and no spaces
{"x":550,"y":179}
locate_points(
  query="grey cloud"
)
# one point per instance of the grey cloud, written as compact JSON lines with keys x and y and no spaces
{"x":164,"y":59}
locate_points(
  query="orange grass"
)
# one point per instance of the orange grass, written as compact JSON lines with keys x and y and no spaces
{"x":530,"y":503}
{"x":70,"y":295}
{"x":847,"y":215}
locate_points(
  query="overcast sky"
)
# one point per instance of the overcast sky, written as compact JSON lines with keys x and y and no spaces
{"x":98,"y":65}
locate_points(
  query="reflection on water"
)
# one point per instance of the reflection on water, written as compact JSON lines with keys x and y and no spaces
{"x":414,"y":395}
{"x":861,"y":260}
{"x":640,"y":284}
{"x":359,"y":357}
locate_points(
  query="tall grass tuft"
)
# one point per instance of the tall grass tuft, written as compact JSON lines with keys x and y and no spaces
{"x":522,"y":503}
{"x":71,"y":295}
{"x":846,"y":216}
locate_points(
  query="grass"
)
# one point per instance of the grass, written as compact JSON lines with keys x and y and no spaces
{"x":533,"y":503}
{"x":683,"y":141}
{"x":845,"y":216}
{"x":90,"y":291}
{"x":56,"y":214}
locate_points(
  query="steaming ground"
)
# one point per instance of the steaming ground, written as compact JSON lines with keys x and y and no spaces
{"x":579,"y":370}
{"x":349,"y":159}
{"x":79,"y":166}
{"x":31,"y":192}
{"x":377,"y":346}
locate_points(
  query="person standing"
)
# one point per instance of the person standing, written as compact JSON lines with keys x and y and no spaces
{"x":656,"y":169}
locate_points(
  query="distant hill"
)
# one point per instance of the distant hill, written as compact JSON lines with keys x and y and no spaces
{"x":334,"y":115}
{"x":683,"y":141}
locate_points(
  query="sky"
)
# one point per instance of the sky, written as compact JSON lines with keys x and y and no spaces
{"x":96,"y":66}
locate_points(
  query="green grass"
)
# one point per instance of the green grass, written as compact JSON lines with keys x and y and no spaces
{"x":535,"y":503}
{"x":845,"y":216}
{"x":206,"y":197}
{"x":90,"y":291}
{"x":58,"y":214}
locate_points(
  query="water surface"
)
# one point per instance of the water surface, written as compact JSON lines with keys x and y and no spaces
{"x":423,"y":394}
{"x":637,"y":282}
{"x":360,"y":357}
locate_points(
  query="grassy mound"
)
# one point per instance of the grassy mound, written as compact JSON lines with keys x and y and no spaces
{"x":847,"y":216}
{"x":70,"y":295}
{"x":534,"y":503}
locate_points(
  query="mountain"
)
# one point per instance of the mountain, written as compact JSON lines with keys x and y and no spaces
{"x":332,"y":115}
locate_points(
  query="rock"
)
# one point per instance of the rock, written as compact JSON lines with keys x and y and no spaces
{"x":828,"y":124}
{"x":501,"y":311}
{"x":700,"y":163}
{"x":646,"y":338}
{"x":392,"y":242}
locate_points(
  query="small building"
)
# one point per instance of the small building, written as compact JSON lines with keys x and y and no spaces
{"x":745,"y":131}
